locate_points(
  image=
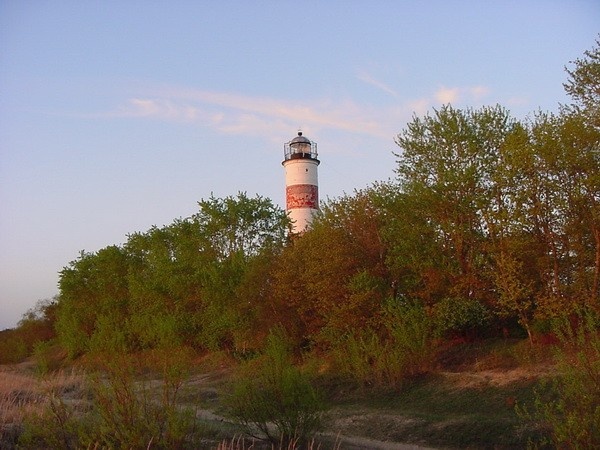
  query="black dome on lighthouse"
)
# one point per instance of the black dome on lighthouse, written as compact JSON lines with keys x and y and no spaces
{"x":300,"y":139}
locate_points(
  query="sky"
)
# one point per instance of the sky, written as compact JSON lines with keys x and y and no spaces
{"x":119,"y":115}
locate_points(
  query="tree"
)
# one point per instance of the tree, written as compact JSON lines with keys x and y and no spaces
{"x":583,"y":86}
{"x":241,"y":225}
{"x":446,"y":173}
{"x":551,"y":191}
{"x":93,"y":291}
{"x":334,"y":277}
{"x":165,"y":283}
{"x":235,"y":231}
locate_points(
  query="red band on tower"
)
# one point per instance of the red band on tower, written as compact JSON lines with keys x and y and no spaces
{"x":302,"y":196}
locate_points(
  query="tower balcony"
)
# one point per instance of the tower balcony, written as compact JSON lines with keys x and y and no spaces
{"x":300,"y":148}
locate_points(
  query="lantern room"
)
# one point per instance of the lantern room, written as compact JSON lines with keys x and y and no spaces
{"x":299,"y":148}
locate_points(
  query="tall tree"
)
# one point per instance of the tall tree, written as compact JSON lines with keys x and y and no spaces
{"x":583,"y":86}
{"x":446,"y":169}
{"x":333,"y":278}
{"x":235,"y":230}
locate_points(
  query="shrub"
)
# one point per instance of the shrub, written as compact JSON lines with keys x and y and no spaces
{"x":47,"y":356}
{"x":567,"y":407}
{"x":461,"y":316}
{"x":412,"y":345}
{"x":355,"y":353}
{"x":57,"y":426}
{"x":13,"y":348}
{"x":275,"y":400}
{"x":405,"y":347}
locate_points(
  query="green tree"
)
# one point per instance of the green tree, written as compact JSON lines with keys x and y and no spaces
{"x":334,"y":277}
{"x":165,"y":283}
{"x":446,"y":171}
{"x":92,"y":287}
{"x":583,"y":86}
{"x":241,"y":225}
{"x":235,"y":231}
{"x":548,"y":223}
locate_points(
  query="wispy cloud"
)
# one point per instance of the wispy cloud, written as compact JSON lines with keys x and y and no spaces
{"x":369,"y":79}
{"x":233,"y":113}
{"x":461,"y":94}
{"x":242,"y":114}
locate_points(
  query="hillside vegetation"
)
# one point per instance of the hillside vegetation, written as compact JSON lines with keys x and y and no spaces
{"x":490,"y":232}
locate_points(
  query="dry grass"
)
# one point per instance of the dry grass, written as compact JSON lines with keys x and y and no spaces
{"x":240,"y":443}
{"x":23,"y":394}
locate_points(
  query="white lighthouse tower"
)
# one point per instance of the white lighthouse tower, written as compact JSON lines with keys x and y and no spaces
{"x":301,"y":181}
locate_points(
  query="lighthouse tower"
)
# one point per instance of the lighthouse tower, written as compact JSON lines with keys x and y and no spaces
{"x":301,"y":181}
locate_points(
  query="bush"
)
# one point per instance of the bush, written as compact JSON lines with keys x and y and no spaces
{"x":567,"y":407}
{"x":57,"y":426}
{"x":275,"y":400}
{"x":405,"y":347}
{"x":412,"y":340}
{"x":355,"y":354}
{"x":13,"y":348}
{"x":461,"y":316}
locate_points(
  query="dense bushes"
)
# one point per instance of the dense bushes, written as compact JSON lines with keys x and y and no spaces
{"x":462,"y":317}
{"x":488,"y":219}
{"x":35,"y":327}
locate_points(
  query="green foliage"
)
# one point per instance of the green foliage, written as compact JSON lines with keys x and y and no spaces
{"x":241,"y":225}
{"x":275,"y":400}
{"x":93,"y":290}
{"x":129,"y":415}
{"x":583,"y":85}
{"x":171,"y":285}
{"x":567,"y":406}
{"x":412,"y":337}
{"x":405,"y":348}
{"x":461,"y":316}
{"x":446,"y":170}
{"x":357,"y":356}
{"x":515,"y":292}
{"x":43,"y":355}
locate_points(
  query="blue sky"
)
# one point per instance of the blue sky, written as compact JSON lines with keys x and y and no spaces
{"x":119,"y":115}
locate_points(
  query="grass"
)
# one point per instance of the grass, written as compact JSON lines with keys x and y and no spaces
{"x":23,"y":394}
{"x":433,"y":412}
{"x":468,"y":402}
{"x":461,"y":417}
